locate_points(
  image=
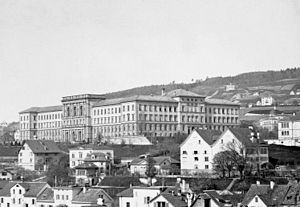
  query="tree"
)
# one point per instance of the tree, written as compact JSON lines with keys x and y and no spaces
{"x":222,"y":163}
{"x":237,"y":154}
{"x":150,"y":169}
{"x":58,"y":174}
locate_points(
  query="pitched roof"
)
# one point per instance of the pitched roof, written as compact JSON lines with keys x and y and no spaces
{"x":209,"y":136}
{"x":126,"y":193}
{"x":9,"y":151}
{"x":158,"y":160}
{"x":183,"y":93}
{"x":42,"y":109}
{"x":86,"y":165}
{"x":91,"y":195}
{"x":292,"y":194}
{"x":269,"y":196}
{"x":46,"y":195}
{"x":220,"y":102}
{"x":151,"y":98}
{"x":97,"y":156}
{"x":32,"y":188}
{"x":242,"y":134}
{"x":43,"y":146}
{"x":174,"y":200}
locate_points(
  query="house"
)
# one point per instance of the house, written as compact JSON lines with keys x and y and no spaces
{"x":6,"y":174}
{"x":20,"y":194}
{"x":247,"y":143}
{"x":169,"y":199}
{"x":38,"y":154}
{"x":260,"y":195}
{"x":101,"y":160}
{"x":196,"y":151}
{"x":289,"y":130}
{"x":138,"y":196}
{"x":74,"y":196}
{"x":79,"y":155}
{"x":200,"y":147}
{"x":162,"y":164}
{"x":266,"y":99}
{"x":86,"y":173}
{"x":213,"y":198}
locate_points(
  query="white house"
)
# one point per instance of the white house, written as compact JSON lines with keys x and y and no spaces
{"x":200,"y":147}
{"x":74,"y":196}
{"x":80,"y":154}
{"x":38,"y":154}
{"x":289,"y":131}
{"x":169,"y":200}
{"x":196,"y":151}
{"x":21,"y":194}
{"x":138,"y":196}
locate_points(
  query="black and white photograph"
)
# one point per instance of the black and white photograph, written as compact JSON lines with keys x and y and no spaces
{"x":150,"y":103}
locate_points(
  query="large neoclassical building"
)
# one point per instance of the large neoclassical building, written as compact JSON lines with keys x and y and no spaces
{"x":85,"y":117}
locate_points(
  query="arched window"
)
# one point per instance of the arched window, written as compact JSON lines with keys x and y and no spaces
{"x":81,"y":111}
{"x":68,"y":111}
{"x":74,"y":111}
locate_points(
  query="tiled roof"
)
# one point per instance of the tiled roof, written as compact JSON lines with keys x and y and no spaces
{"x":91,"y":195}
{"x":273,"y":197}
{"x":86,"y":165}
{"x":126,"y":193}
{"x":42,"y":109}
{"x":151,"y":98}
{"x":210,"y":136}
{"x":8,"y":151}
{"x":183,"y":93}
{"x":243,"y":135}
{"x":32,"y":188}
{"x":43,"y":146}
{"x":220,"y":102}
{"x":98,"y":156}
{"x":174,"y":200}
{"x":292,"y":195}
{"x":157,"y":160}
{"x":46,"y":195}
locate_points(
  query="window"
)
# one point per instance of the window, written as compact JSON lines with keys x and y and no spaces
{"x":195,"y":152}
{"x":14,"y":191}
{"x":206,"y":166}
{"x":256,"y":199}
{"x":196,"y":159}
{"x":206,"y":159}
{"x":2,"y":200}
{"x":205,"y":152}
{"x":199,"y":142}
{"x":20,"y":191}
{"x":127,"y":204}
{"x":147,"y":199}
{"x":57,"y":197}
{"x":73,"y":155}
{"x":80,"y":155}
{"x":161,"y":204}
{"x":184,"y":152}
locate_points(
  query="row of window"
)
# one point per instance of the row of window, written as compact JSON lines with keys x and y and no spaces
{"x":74,"y":111}
{"x":222,"y":111}
{"x":113,"y":110}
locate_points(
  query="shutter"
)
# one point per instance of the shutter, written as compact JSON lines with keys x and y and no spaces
{"x":155,"y":204}
{"x":167,"y":204}
{"x":145,"y":200}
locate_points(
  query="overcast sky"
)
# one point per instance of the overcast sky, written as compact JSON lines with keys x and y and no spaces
{"x":53,"y":48}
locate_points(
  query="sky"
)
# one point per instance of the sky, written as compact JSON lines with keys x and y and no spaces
{"x":54,"y":48}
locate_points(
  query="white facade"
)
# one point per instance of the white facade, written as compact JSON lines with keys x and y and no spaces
{"x":289,"y":129}
{"x":196,"y":154}
{"x":257,"y":202}
{"x":26,"y":158}
{"x":160,"y":201}
{"x":78,"y":155}
{"x":141,"y":197}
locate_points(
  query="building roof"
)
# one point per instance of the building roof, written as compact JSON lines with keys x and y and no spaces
{"x":43,"y":146}
{"x":269,"y":196}
{"x":126,"y":193}
{"x":151,"y":98}
{"x":174,"y":200}
{"x":91,"y":195}
{"x":46,"y":195}
{"x":183,"y":93}
{"x":215,"y":101}
{"x":158,"y":160}
{"x":9,"y":151}
{"x":97,"y":157}
{"x":209,"y":136}
{"x":32,"y":188}
{"x":129,"y":140}
{"x":42,"y":109}
{"x":86,"y":165}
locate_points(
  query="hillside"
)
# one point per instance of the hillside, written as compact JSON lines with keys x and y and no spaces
{"x":210,"y":86}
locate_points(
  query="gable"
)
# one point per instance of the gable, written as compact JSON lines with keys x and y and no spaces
{"x":194,"y":139}
{"x":257,"y":201}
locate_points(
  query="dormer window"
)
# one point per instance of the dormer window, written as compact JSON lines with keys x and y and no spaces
{"x":93,"y":157}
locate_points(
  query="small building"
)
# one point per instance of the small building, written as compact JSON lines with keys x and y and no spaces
{"x":86,"y":174}
{"x":9,"y":154}
{"x":260,"y":195}
{"x":6,"y":174}
{"x":20,"y":194}
{"x":75,"y":197}
{"x":38,"y":154}
{"x":289,"y":130}
{"x":162,"y":164}
{"x":79,"y":155}
{"x":101,"y":160}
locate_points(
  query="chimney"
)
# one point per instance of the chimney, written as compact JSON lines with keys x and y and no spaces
{"x":163,"y":91}
{"x":272,"y":184}
{"x":257,"y":182}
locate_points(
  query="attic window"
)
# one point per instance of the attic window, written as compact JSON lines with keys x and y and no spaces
{"x":256,"y":199}
{"x":289,"y":197}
